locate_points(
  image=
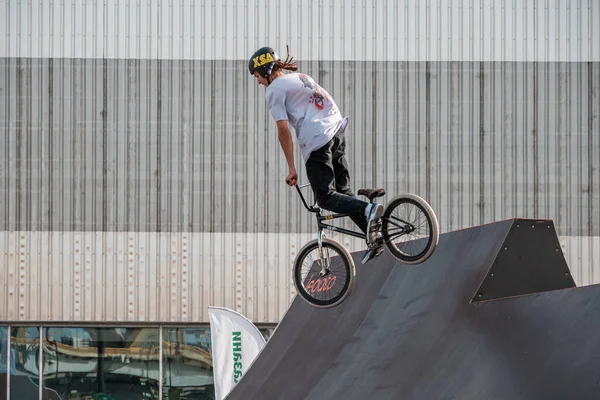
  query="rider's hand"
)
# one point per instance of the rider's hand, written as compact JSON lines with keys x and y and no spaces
{"x":292,"y":177}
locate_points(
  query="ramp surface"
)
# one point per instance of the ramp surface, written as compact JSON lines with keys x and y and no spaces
{"x":482,"y":318}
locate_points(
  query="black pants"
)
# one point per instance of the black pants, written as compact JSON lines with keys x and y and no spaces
{"x":327,"y":172}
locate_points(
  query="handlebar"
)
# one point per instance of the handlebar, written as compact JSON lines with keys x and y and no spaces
{"x":312,"y":208}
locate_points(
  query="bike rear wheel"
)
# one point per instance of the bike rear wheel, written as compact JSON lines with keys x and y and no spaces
{"x":410,"y":228}
{"x":324,"y":280}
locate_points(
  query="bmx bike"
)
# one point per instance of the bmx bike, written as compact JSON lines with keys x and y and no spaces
{"x":324,"y":271}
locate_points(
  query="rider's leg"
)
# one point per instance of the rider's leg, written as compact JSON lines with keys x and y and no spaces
{"x":321,"y":175}
{"x":342,"y":182}
{"x":342,"y":179}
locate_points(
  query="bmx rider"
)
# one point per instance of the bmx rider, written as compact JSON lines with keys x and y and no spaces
{"x":296,"y":99}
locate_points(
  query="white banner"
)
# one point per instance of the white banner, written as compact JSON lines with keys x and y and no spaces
{"x":235,"y":344}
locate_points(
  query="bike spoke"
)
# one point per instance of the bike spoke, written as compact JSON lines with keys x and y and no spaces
{"x":406,"y":225}
{"x":335,"y":279}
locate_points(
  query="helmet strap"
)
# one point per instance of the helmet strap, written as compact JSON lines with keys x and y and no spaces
{"x":268,"y":77}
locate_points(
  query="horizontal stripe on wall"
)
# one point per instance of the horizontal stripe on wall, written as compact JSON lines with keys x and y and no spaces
{"x":332,"y":30}
{"x":129,"y":277}
{"x":189,"y":146}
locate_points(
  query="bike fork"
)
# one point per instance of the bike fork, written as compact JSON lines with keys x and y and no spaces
{"x":324,"y":260}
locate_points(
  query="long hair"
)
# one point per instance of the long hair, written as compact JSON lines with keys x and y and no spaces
{"x":287,"y":64}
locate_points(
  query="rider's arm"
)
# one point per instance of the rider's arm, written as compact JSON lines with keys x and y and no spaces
{"x":276,"y":103}
{"x":287,"y":144}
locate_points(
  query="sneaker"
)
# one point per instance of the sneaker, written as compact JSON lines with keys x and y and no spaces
{"x":371,"y":253}
{"x":374,"y":214}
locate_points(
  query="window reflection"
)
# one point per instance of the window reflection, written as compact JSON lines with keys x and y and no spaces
{"x":107,"y":363}
{"x":24,"y":354}
{"x":267,"y":331}
{"x":4,"y":361}
{"x":187,"y":364}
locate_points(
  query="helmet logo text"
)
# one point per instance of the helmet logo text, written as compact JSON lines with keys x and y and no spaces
{"x":262,"y":60}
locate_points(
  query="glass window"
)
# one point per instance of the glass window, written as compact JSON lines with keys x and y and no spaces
{"x":25,"y":351}
{"x":267,"y":331}
{"x":108,"y":363}
{"x":187,"y":364}
{"x":4,"y":361}
{"x":101,"y":363}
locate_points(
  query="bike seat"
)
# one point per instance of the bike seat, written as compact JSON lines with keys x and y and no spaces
{"x":371,"y":193}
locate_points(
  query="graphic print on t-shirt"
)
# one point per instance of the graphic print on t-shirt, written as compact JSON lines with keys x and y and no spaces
{"x":318,"y":97}
{"x":308,"y":108}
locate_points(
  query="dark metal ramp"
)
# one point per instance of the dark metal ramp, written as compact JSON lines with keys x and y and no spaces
{"x":422,"y":332}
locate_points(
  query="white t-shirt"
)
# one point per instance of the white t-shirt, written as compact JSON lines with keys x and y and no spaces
{"x":306,"y":106}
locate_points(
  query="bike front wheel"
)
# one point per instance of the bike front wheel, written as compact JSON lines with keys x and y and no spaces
{"x":324,"y":277}
{"x":410,"y":229}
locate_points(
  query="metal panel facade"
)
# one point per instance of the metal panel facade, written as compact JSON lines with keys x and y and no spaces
{"x":140,"y":174}
{"x":361,"y":30}
{"x":182,"y":146}
{"x":143,"y":276}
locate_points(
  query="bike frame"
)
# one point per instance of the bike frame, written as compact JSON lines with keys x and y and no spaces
{"x":320,"y":218}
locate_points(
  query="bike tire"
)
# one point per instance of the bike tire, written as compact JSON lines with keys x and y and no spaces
{"x":432,"y":239}
{"x":345,"y":260}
